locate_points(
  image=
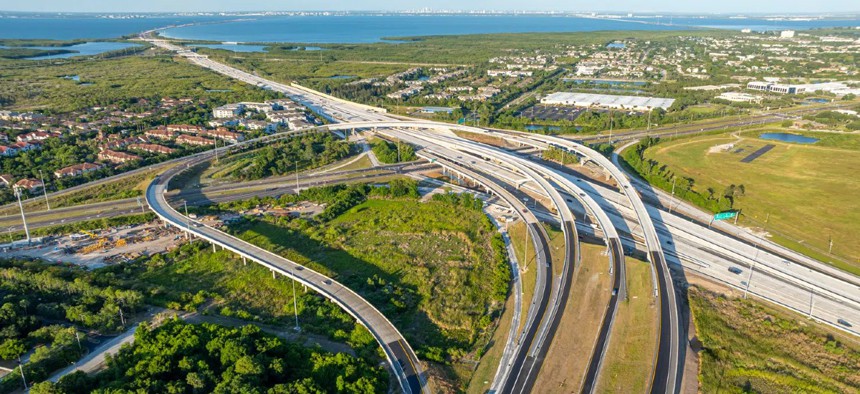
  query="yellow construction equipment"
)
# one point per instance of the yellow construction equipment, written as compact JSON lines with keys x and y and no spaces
{"x":89,"y":233}
{"x":98,"y":245}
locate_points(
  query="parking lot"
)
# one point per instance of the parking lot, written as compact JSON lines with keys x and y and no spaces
{"x":548,"y":112}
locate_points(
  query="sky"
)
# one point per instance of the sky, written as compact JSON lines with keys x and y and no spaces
{"x":679,"y":6}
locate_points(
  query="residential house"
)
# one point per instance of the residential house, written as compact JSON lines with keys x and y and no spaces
{"x":194,"y":140}
{"x":77,"y":170}
{"x":117,"y":157}
{"x":30,"y":185}
{"x":152,"y":148}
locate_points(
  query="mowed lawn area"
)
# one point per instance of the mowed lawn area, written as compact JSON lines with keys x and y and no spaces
{"x":805,"y":193}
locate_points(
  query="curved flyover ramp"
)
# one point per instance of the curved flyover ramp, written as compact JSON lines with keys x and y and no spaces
{"x":399,"y":354}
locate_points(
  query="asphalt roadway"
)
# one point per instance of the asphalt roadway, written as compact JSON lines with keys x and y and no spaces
{"x":401,"y":357}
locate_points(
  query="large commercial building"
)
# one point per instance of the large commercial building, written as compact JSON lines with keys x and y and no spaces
{"x":837,"y":88}
{"x":636,"y":103}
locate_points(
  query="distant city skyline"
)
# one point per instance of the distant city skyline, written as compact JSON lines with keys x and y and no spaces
{"x":667,"y":6}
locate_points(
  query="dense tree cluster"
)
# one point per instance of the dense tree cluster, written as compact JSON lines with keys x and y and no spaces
{"x":388,"y":152}
{"x":661,"y":176}
{"x":187,"y":358}
{"x":283,"y":157}
{"x":40,"y":307}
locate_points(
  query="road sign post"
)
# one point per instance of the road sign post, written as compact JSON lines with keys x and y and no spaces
{"x":725,"y":215}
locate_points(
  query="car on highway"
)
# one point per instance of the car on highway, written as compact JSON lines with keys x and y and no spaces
{"x":844,"y":322}
{"x":735,"y":270}
{"x":326,"y":281}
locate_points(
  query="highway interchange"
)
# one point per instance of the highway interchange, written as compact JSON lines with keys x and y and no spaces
{"x":618,"y":215}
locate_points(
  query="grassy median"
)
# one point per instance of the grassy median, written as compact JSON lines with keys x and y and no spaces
{"x":633,"y":342}
{"x":568,"y":356}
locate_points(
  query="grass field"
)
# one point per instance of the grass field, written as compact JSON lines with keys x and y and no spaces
{"x":571,"y":348}
{"x":630,"y":357}
{"x":751,"y":347}
{"x":803,"y":194}
{"x":426,"y":266}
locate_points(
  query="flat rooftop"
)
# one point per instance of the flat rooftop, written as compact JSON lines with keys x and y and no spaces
{"x":607,"y":100}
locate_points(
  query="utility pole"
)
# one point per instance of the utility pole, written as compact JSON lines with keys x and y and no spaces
{"x":830,"y":250}
{"x":79,"y":340}
{"x":297,"y":177}
{"x":398,"y":151}
{"x":216,"y":149}
{"x":45,"y":189}
{"x":17,"y":191}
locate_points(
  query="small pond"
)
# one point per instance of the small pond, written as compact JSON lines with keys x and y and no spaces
{"x":787,"y":137}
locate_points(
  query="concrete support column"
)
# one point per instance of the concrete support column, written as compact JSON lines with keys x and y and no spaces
{"x":244,"y":261}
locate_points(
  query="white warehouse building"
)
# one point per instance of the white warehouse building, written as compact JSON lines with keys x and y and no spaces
{"x":636,"y":103}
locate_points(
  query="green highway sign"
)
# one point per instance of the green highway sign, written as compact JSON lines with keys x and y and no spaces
{"x":725,"y":215}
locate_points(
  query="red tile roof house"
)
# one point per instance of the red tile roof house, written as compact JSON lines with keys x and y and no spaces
{"x":36,"y":136}
{"x":30,"y":185}
{"x":194,"y":140}
{"x":161,"y":133}
{"x":152,"y":148}
{"x":117,"y":157}
{"x":184,"y":128}
{"x":77,"y":170}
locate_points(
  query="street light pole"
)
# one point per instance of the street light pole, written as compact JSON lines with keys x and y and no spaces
{"x":187,"y":221}
{"x":45,"y":190}
{"x":21,"y":368}
{"x":752,"y":270}
{"x":295,"y":303}
{"x":17,"y":191}
{"x":673,"y":194}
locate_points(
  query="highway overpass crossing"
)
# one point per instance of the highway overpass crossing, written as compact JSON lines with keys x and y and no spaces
{"x":400,"y":355}
{"x":667,"y":373}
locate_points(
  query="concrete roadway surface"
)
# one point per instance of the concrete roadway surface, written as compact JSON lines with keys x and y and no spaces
{"x":666,"y":200}
{"x":345,"y":111}
{"x":402,"y":359}
{"x":215,"y":194}
{"x":610,"y":234}
{"x":539,"y":239}
{"x":531,"y":354}
{"x":668,"y":371}
{"x":539,"y":325}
